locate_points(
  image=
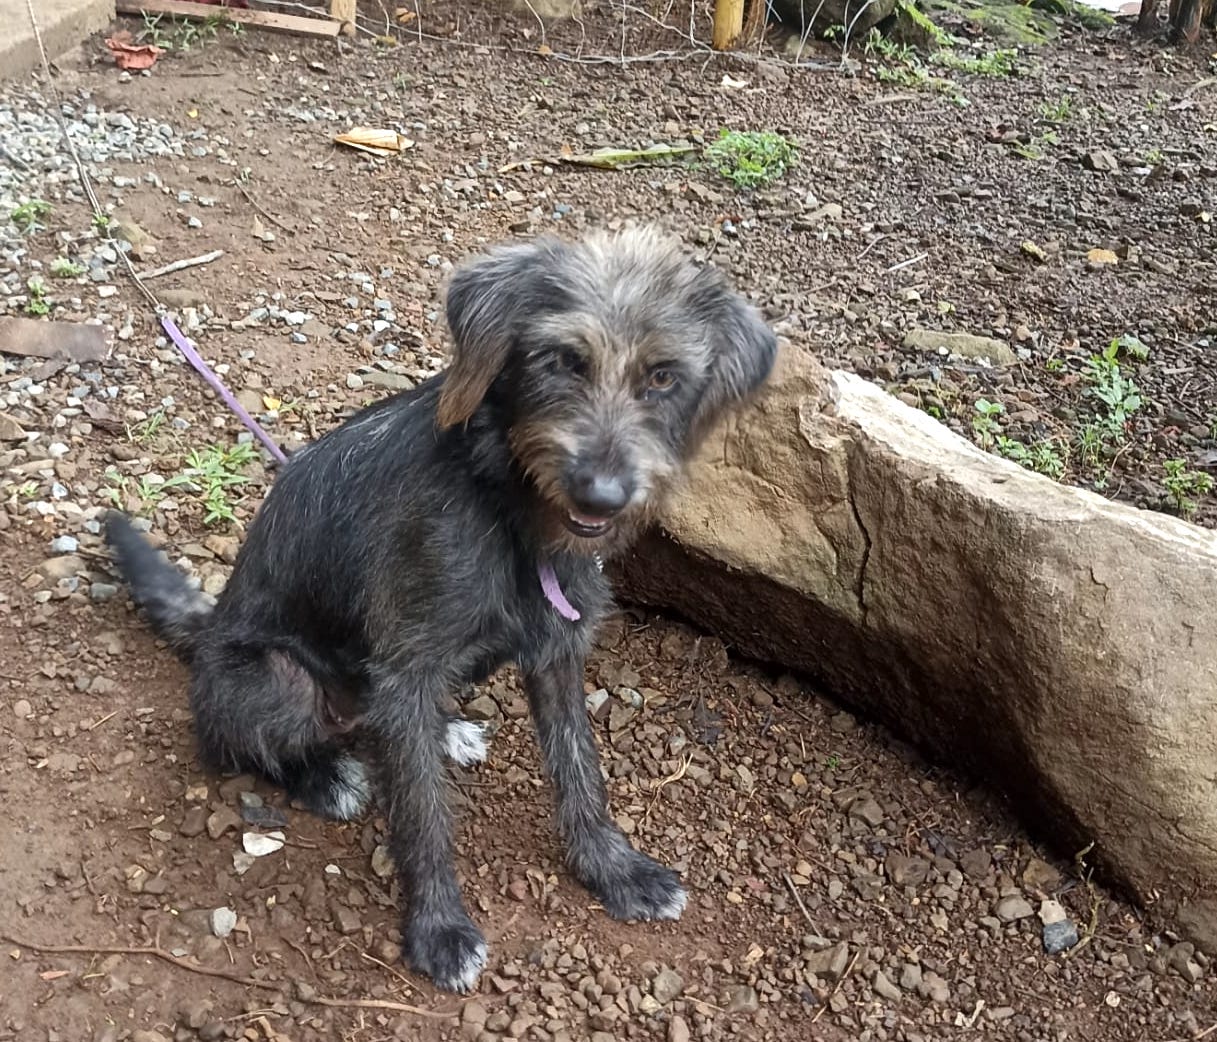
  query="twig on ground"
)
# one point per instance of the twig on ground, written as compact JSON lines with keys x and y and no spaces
{"x":836,"y":987}
{"x":265,"y":213}
{"x":182,"y":265}
{"x":97,"y":723}
{"x":235,"y":978}
{"x":385,"y":966}
{"x":794,"y":892}
{"x":906,"y":263}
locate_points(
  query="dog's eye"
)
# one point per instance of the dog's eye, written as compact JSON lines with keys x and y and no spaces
{"x":661,"y":382}
{"x":569,"y":360}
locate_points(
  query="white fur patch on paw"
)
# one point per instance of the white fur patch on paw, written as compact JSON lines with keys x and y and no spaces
{"x":674,"y":907}
{"x":468,"y":973}
{"x":352,"y":791}
{"x":466,"y":742}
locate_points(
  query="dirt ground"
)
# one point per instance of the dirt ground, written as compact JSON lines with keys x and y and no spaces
{"x":841,"y":888}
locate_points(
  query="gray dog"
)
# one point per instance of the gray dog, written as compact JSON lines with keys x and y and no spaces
{"x":451,"y":529}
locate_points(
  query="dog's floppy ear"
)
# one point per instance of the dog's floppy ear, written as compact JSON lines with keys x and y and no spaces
{"x":743,"y":348}
{"x":487,"y":300}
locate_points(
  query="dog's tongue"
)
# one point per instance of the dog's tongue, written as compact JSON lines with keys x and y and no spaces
{"x":590,"y":520}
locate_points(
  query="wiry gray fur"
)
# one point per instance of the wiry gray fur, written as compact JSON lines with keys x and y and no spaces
{"x":396,"y":559}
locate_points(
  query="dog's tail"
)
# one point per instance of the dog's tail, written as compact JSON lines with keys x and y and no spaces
{"x":177,"y":613}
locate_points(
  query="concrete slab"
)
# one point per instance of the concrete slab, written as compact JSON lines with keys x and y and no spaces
{"x":63,"y":24}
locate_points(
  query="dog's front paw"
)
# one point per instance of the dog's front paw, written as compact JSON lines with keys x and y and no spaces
{"x":451,"y":952}
{"x":639,"y":888}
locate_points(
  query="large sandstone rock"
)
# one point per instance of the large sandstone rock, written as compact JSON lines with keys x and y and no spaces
{"x":1061,"y":648}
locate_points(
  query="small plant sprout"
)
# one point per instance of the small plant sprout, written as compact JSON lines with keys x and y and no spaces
{"x":1116,"y":392}
{"x":28,"y":216}
{"x":1059,"y":111}
{"x":62,"y":268}
{"x":146,"y":430}
{"x":1044,"y":457}
{"x":37,"y":304}
{"x":214,"y":474}
{"x":1182,"y":485}
{"x":998,"y":64}
{"x":750,"y":159}
{"x":985,"y":422}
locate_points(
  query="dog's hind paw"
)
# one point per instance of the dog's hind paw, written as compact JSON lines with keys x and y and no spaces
{"x":347,"y":792}
{"x":453,"y":955}
{"x":643,"y":890}
{"x":466,"y":742}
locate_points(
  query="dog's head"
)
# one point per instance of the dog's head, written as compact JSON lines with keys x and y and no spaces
{"x":607,"y":360}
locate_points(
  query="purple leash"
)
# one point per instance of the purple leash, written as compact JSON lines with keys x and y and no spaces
{"x":196,"y":360}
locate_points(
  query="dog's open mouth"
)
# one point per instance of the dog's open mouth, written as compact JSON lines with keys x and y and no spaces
{"x":587,"y":526}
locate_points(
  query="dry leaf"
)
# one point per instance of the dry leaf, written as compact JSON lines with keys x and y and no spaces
{"x":404,"y":16}
{"x":376,"y":141}
{"x":1032,"y":249}
{"x":729,"y":82}
{"x":623,"y":158}
{"x":271,"y":403}
{"x":1100,"y":257}
{"x":130,"y":55}
{"x":545,"y":49}
{"x":53,"y":974}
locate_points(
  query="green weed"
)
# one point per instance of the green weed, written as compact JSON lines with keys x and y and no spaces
{"x":37,"y":303}
{"x":750,"y":159}
{"x":1059,"y":111}
{"x":1043,"y":457}
{"x":1107,"y":382}
{"x":147,"y":430}
{"x":214,"y":475}
{"x":1182,"y":485}
{"x":62,"y":268}
{"x":985,"y":423}
{"x":997,"y":64}
{"x":28,"y":216}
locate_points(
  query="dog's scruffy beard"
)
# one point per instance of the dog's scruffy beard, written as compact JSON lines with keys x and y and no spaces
{"x":562,"y":526}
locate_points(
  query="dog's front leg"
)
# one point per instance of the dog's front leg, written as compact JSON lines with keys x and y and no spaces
{"x":439,"y":938}
{"x":629,"y":884}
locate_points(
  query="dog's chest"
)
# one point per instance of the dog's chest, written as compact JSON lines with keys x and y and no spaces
{"x":523,"y":624}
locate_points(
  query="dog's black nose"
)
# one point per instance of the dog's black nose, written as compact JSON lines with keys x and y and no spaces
{"x":599,"y":494}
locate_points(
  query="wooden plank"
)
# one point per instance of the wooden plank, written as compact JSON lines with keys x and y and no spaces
{"x":343,"y":12}
{"x":269,"y":20}
{"x":40,"y":338}
{"x":728,"y":23}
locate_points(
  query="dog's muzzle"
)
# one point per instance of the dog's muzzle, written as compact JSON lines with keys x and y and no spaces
{"x":597,"y":498}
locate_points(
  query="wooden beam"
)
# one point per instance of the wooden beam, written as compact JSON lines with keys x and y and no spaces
{"x":343,"y":12}
{"x":728,"y":23}
{"x":269,"y":20}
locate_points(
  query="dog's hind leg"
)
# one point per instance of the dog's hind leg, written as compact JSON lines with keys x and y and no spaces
{"x":628,"y":883}
{"x":260,"y":710}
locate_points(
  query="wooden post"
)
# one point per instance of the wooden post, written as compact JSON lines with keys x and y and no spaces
{"x":728,"y":23}
{"x":344,"y":11}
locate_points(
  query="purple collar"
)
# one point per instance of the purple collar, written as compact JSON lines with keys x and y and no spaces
{"x":553,"y":590}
